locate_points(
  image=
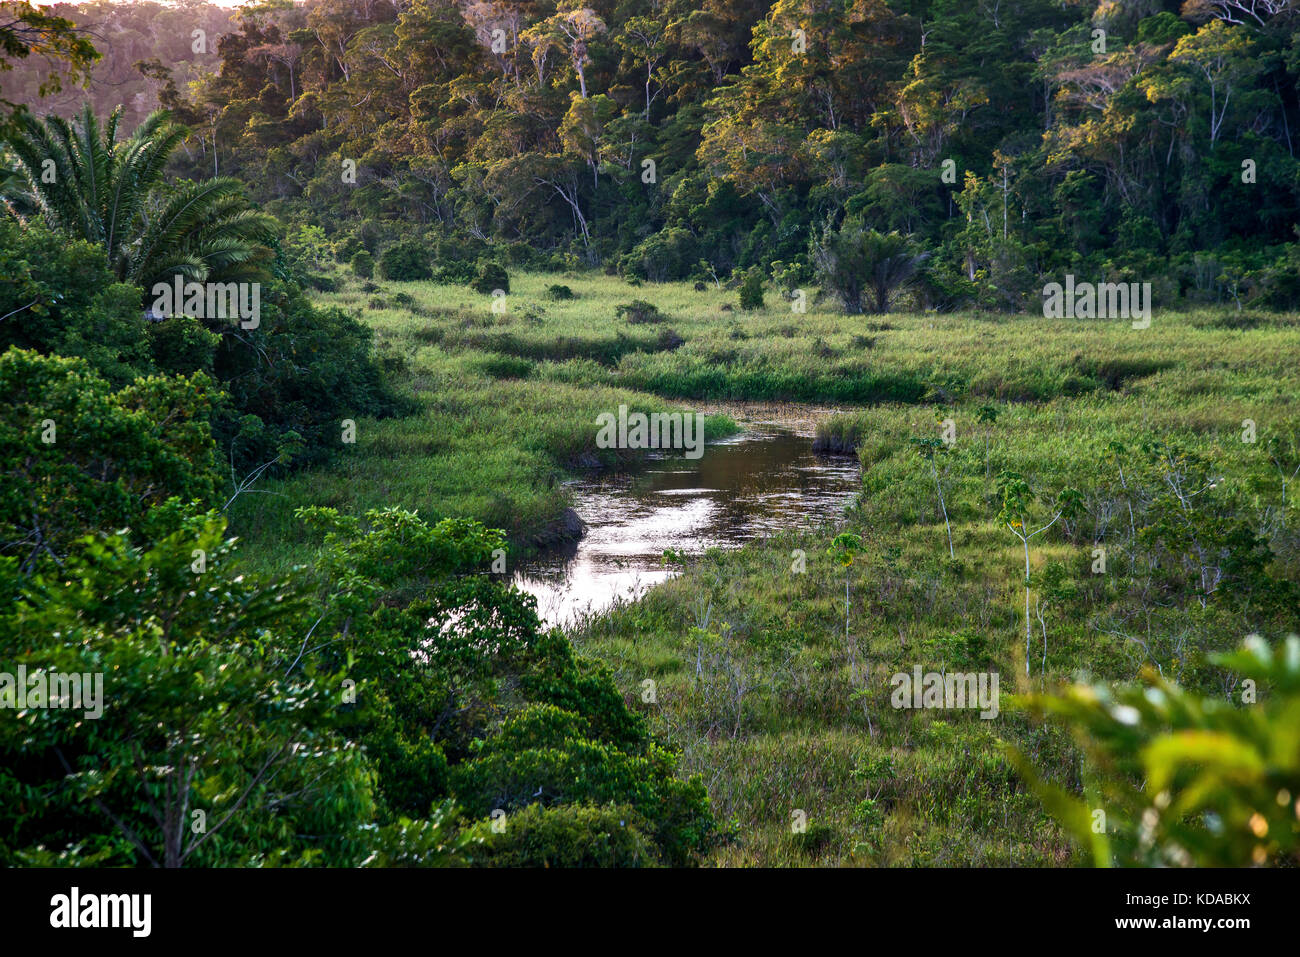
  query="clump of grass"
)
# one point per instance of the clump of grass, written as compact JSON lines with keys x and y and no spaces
{"x":840,"y":434}
{"x":505,"y":367}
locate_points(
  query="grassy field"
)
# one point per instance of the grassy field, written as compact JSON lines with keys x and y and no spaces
{"x":785,"y":715}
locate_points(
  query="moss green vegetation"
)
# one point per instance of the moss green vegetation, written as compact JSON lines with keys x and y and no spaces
{"x":784,"y":717}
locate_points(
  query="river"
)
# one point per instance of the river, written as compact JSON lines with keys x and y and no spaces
{"x":759,"y":481}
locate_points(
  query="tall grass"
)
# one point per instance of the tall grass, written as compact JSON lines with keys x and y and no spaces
{"x":753,"y":666}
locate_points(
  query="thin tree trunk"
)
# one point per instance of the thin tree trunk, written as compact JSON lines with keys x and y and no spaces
{"x":1029,"y":631}
{"x":951,"y":554}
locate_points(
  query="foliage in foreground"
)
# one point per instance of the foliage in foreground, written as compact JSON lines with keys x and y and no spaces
{"x":338,"y":718}
{"x":1177,"y":778}
{"x":78,"y":456}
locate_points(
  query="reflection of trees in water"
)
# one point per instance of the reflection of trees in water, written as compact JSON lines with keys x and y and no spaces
{"x":736,"y":492}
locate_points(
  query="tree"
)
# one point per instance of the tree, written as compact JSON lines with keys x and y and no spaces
{"x":26,"y":30}
{"x":405,"y":261}
{"x":854,"y":260}
{"x":1017,"y":499}
{"x":643,"y":40}
{"x":363,"y":264}
{"x":1223,"y":55}
{"x":1200,"y":542}
{"x":91,"y":186}
{"x":751,"y":289}
{"x":472,"y":702}
{"x":58,"y":297}
{"x":571,"y":29}
{"x":929,"y":448}
{"x":205,"y":752}
{"x":844,"y":548}
{"x":1284,"y":453}
{"x":987,"y":415}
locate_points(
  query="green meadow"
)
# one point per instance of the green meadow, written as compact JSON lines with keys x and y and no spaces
{"x":785,"y":714}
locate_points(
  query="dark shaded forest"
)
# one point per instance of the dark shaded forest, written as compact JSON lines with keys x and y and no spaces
{"x":1134,"y":140}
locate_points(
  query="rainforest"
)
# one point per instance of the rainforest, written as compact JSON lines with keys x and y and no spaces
{"x":966,"y":333}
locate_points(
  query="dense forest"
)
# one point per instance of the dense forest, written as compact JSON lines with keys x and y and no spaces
{"x":685,"y":140}
{"x":474,"y":228}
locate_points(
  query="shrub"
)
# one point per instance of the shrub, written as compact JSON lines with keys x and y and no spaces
{"x":405,"y":261}
{"x":814,"y":840}
{"x":181,"y":346}
{"x":363,"y":265}
{"x":857,"y":265}
{"x":58,"y":296}
{"x":302,"y":370}
{"x":570,"y":836}
{"x":79,"y":456}
{"x":560,"y":292}
{"x":490,"y":277}
{"x":211,"y":687}
{"x":751,"y":290}
{"x":639,"y":312}
{"x":321,"y":282}
{"x":454,"y":274}
{"x":669,"y":254}
{"x":668,"y":340}
{"x":544,"y":747}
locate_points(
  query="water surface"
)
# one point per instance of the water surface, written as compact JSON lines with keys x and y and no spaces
{"x":757,"y":482}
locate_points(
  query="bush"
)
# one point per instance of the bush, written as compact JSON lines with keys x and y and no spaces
{"x":669,"y":340}
{"x":79,"y":456}
{"x":59,"y":297}
{"x":560,"y":292}
{"x":571,"y":836}
{"x":751,"y":289}
{"x":454,"y":273}
{"x":181,"y":346}
{"x":554,"y":750}
{"x":363,"y":265}
{"x":490,"y":277}
{"x":639,"y":312}
{"x":321,"y":282}
{"x":292,"y":379}
{"x":669,"y":254}
{"x":405,"y":261}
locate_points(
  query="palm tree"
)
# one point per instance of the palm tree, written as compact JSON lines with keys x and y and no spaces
{"x":87,"y":184}
{"x":856,"y":260}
